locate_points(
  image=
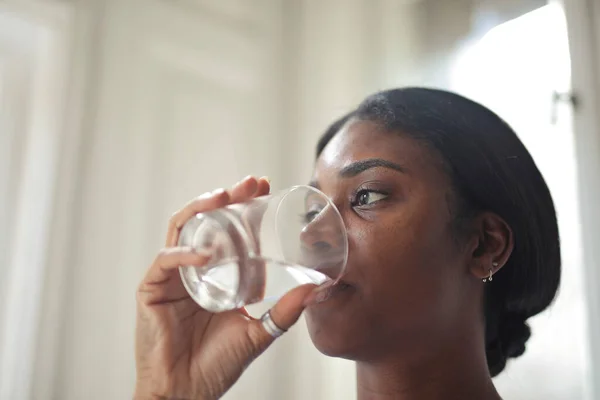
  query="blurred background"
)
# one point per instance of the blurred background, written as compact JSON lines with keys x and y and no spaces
{"x":114,"y":113}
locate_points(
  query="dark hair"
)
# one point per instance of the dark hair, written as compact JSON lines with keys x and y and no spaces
{"x":491,"y":170}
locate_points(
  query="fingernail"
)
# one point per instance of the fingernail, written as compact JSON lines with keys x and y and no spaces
{"x":218,"y":192}
{"x":266,"y":178}
{"x":322,"y":296}
{"x":318,"y":295}
{"x":310,"y":299}
{"x":201,"y":251}
{"x":315,"y":298}
{"x":241,"y":181}
{"x":204,"y":253}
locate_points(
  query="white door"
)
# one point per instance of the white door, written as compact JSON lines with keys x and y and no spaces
{"x":33,"y":47}
{"x":183,"y":101}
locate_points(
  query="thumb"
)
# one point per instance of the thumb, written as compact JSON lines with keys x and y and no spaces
{"x":284,"y":314}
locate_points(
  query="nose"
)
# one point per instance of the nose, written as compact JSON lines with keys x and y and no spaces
{"x":322,"y":240}
{"x":319,"y":231}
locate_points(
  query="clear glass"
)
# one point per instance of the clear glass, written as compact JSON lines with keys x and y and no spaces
{"x":263,"y":248}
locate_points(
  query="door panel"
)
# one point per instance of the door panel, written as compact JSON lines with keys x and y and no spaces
{"x":183,"y":90}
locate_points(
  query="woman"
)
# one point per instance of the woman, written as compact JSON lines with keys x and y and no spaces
{"x":453,"y":246}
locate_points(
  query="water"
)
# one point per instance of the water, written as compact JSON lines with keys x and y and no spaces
{"x":235,"y":283}
{"x":244,"y":241}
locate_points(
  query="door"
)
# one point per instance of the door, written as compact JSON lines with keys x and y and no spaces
{"x":183,"y":101}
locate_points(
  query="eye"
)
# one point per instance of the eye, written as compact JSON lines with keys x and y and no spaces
{"x":309,"y":216}
{"x":367,"y":197}
{"x":312,"y":213}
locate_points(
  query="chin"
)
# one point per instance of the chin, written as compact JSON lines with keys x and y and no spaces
{"x":331,"y":336}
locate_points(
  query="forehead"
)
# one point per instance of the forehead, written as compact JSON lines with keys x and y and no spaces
{"x":361,"y":140}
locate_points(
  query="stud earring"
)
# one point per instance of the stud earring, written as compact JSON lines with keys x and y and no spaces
{"x":490,"y":278}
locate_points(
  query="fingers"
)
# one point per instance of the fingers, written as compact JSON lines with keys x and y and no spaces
{"x":284,"y":314}
{"x":162,"y":283}
{"x":244,"y":190}
{"x":208,"y":201}
{"x":166,"y":263}
{"x":287,"y":310}
{"x":169,"y":259}
{"x":250,"y":187}
{"x":264,"y":187}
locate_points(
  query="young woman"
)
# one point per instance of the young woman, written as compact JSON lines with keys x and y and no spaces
{"x":453,"y":245}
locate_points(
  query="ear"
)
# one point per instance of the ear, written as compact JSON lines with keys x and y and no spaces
{"x":491,"y":245}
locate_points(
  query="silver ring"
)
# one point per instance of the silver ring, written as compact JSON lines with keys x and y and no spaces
{"x":270,"y":326}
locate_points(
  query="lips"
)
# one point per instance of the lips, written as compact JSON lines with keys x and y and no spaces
{"x":331,"y":289}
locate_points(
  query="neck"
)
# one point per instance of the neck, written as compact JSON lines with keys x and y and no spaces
{"x":454,"y":370}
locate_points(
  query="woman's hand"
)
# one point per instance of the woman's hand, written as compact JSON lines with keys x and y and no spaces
{"x":182,"y":350}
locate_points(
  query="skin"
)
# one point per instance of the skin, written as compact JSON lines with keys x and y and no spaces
{"x":411,"y":317}
{"x":409,"y":309}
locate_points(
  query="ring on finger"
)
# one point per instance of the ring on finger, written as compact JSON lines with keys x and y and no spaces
{"x":270,"y":325}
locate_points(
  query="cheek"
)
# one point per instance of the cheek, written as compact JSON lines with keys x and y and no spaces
{"x":398,"y":244}
{"x":405,"y":266}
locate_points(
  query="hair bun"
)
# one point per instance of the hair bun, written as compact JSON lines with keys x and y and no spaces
{"x":513,"y":332}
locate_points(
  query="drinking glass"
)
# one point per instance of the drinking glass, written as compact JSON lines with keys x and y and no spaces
{"x":261,"y":249}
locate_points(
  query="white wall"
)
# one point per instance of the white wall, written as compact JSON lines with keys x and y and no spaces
{"x":181,"y":102}
{"x":33,"y":49}
{"x":584,"y":34}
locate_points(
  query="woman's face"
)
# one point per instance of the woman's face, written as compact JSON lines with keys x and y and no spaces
{"x":408,"y":280}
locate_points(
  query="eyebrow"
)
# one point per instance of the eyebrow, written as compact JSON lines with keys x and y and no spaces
{"x":359,"y":167}
{"x":363,"y":165}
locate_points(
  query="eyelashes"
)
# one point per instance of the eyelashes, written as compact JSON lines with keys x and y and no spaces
{"x":361,"y":199}
{"x":309,"y":216}
{"x":368,"y":197}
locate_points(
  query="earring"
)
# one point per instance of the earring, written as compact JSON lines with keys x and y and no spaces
{"x":489,"y":278}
